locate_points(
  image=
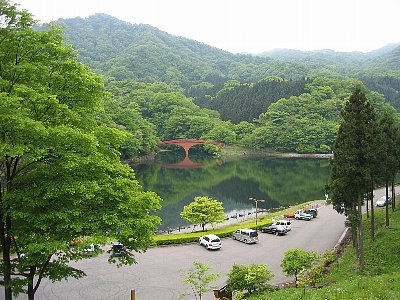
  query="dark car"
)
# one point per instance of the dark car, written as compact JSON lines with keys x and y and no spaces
{"x":275,"y":229}
{"x":118,"y":249}
{"x":312,"y":211}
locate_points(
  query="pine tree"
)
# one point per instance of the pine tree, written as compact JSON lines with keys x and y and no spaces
{"x":354,"y":163}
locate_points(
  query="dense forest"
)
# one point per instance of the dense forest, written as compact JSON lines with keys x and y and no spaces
{"x":238,"y":102}
{"x":163,"y":86}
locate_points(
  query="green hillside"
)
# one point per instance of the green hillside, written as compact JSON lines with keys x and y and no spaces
{"x":380,"y":279}
{"x":144,"y":53}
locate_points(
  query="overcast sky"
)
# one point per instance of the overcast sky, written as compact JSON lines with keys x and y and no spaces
{"x":251,"y":26}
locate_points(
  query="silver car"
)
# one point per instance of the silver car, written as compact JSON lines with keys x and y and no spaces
{"x":246,"y":235}
{"x":381,"y":202}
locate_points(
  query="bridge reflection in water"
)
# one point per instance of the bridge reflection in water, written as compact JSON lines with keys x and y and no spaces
{"x":186,"y":144}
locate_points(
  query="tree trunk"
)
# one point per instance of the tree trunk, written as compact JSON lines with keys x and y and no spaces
{"x":354,"y":229}
{"x":6,"y":244}
{"x":31,"y":293}
{"x":355,"y":239}
{"x":372,"y":215}
{"x":393,"y":195}
{"x":387,"y":204}
{"x":5,"y":224}
{"x":31,"y":289}
{"x":366,"y":204}
{"x":360,"y":232}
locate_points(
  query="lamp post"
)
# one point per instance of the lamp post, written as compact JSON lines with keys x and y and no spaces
{"x":256,"y":201}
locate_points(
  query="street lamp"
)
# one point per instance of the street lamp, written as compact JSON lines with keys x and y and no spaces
{"x":256,"y":201}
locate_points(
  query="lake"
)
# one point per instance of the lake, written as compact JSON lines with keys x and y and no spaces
{"x":281,"y":182}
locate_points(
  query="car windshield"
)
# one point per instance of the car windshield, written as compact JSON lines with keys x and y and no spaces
{"x":253,"y":234}
{"x":215,"y":240}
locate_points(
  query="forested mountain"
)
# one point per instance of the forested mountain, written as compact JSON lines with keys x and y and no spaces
{"x":389,"y":60}
{"x":165,"y":87}
{"x":144,"y":53}
{"x":141,"y":52}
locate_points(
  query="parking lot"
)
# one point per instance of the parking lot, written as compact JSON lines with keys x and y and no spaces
{"x":157,"y":275}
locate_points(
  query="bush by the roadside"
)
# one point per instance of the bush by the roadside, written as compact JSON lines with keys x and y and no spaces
{"x":194,"y":236}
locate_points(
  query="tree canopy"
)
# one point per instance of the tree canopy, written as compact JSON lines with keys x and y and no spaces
{"x":61,"y":178}
{"x":297,"y":260}
{"x":203,"y":211}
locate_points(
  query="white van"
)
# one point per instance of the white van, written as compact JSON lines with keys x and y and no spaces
{"x":246,"y":235}
{"x":286,"y":223}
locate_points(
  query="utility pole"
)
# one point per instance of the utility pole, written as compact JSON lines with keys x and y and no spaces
{"x":256,"y":201}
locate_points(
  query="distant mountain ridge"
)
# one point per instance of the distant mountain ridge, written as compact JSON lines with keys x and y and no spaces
{"x":122,"y":50}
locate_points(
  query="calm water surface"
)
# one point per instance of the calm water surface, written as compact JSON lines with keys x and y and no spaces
{"x":280,"y":181}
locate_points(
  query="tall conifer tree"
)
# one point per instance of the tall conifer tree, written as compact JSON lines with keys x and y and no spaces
{"x":354,"y":163}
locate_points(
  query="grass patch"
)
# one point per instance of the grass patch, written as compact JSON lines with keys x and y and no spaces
{"x":381,"y":278}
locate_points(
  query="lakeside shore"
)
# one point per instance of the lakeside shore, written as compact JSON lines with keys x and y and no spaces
{"x":239,"y":151}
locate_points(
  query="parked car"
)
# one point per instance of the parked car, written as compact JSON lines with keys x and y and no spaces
{"x":246,"y":235}
{"x":210,"y":241}
{"x":118,"y":249}
{"x":289,"y":214}
{"x":92,"y":249}
{"x":381,"y":202}
{"x":275,"y":229}
{"x":286,"y":223}
{"x":301,"y":215}
{"x":312,"y":211}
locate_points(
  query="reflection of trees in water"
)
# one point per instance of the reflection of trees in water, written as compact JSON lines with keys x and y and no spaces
{"x":280,"y":181}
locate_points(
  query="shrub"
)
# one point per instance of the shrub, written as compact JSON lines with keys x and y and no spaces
{"x":328,"y":257}
{"x":250,"y":278}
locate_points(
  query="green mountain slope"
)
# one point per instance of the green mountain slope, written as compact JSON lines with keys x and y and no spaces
{"x":389,"y":60}
{"x":144,"y":53}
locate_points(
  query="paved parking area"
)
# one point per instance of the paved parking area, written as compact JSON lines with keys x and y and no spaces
{"x":157,"y":275}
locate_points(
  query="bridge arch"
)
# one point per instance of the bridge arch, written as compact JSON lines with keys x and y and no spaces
{"x":187,"y":144}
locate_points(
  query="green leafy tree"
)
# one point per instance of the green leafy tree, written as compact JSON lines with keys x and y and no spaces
{"x":199,"y":279}
{"x":203,"y":211}
{"x":355,"y":162}
{"x":61,"y":178}
{"x":389,"y":163}
{"x":124,"y":114}
{"x":222,"y":133}
{"x":296,"y":261}
{"x":252,"y":278}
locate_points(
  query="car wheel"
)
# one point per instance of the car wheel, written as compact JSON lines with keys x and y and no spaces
{"x":277,"y":233}
{"x":245,"y":241}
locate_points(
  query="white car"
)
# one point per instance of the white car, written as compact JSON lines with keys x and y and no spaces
{"x":210,"y":241}
{"x":381,"y":202}
{"x":286,"y":223}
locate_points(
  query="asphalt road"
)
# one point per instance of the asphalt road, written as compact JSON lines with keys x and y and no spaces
{"x":157,"y":276}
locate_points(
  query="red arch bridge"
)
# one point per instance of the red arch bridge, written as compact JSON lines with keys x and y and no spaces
{"x":187,"y":144}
